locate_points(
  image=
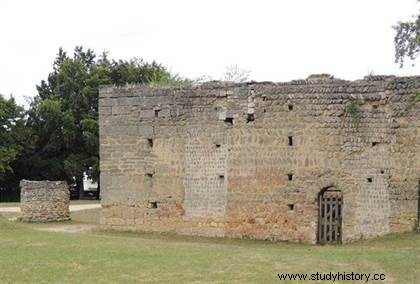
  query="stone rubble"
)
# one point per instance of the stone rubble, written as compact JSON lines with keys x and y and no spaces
{"x":44,"y":201}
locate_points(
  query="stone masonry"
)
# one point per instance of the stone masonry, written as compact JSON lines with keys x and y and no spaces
{"x":250,"y":160}
{"x":44,"y":201}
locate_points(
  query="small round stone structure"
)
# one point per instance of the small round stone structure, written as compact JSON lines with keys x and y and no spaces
{"x":44,"y":201}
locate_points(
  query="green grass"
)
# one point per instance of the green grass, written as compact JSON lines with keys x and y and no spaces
{"x":9,"y":204}
{"x":90,"y":216}
{"x":28,"y":255}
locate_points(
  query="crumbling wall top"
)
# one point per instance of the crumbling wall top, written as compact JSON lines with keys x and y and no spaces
{"x":315,"y":83}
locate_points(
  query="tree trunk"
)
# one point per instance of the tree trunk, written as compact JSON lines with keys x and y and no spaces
{"x":79,"y":182}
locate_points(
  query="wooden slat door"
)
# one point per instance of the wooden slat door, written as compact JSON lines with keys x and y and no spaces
{"x":330,"y":217}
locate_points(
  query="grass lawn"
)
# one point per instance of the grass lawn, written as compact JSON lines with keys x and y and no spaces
{"x":9,"y":204}
{"x":86,"y":216}
{"x":28,"y":255}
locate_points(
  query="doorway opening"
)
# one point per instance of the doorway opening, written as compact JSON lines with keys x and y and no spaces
{"x":330,"y":202}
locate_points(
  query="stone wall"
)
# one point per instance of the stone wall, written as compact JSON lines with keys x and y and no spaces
{"x":44,"y":201}
{"x":216,"y":159}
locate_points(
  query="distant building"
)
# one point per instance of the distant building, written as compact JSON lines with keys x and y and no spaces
{"x":88,"y":183}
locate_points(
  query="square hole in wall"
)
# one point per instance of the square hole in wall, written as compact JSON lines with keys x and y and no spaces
{"x":150,"y":142}
{"x":290,"y":107}
{"x":291,"y":207}
{"x":382,"y":171}
{"x":229,"y":120}
{"x":290,"y":139}
{"x":250,"y":118}
{"x":370,"y":179}
{"x":374,"y":144}
{"x":221,"y":177}
{"x":217,"y":145}
{"x":149,"y":175}
{"x":152,"y":204}
{"x":290,"y":176}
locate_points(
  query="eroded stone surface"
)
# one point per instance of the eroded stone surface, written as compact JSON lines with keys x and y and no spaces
{"x":215,"y":159}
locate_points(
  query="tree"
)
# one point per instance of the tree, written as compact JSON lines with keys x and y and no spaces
{"x":10,"y":114}
{"x":15,"y":142}
{"x":407,"y":40}
{"x":64,"y":115}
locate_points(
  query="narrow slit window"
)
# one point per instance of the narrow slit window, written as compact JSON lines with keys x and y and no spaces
{"x":290,"y":138}
{"x":149,"y":175}
{"x":229,"y":120}
{"x":150,"y":142}
{"x":157,"y":112}
{"x":290,"y":107}
{"x":290,"y":176}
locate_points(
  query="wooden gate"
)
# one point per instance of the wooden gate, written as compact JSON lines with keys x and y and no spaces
{"x":330,"y":216}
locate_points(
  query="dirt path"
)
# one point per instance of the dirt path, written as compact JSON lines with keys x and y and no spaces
{"x":86,"y":214}
{"x":73,"y":208}
{"x":9,"y":209}
{"x":68,"y":228}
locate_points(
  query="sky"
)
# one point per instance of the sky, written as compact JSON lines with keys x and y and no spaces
{"x":276,"y":40}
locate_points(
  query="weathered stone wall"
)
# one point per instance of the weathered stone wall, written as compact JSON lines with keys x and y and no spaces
{"x":44,"y":201}
{"x":215,"y":159}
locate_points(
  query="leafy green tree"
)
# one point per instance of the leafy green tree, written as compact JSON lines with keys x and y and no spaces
{"x":16,"y":141}
{"x":10,"y":114}
{"x":407,"y":40}
{"x":64,"y":115}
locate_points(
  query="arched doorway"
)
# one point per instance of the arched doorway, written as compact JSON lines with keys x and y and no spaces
{"x":330,"y":202}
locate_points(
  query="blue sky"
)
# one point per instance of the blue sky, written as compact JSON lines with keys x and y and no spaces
{"x":275,"y":40}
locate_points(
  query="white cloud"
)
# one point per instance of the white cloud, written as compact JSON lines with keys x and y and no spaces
{"x":276,"y":40}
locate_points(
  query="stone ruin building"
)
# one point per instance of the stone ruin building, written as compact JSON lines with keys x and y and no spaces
{"x":317,"y":160}
{"x":44,"y":201}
